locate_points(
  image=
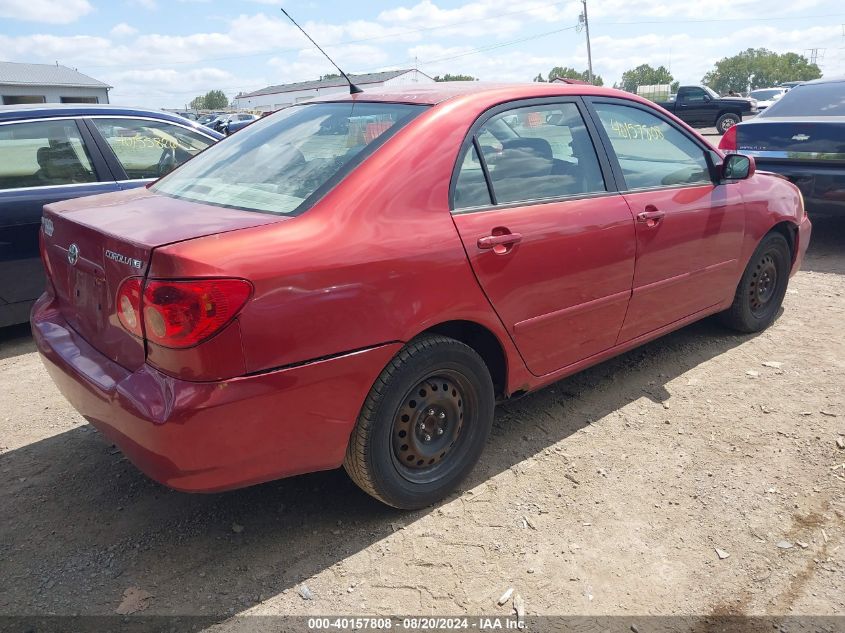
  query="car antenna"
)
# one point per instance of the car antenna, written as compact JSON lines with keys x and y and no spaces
{"x":353,"y":89}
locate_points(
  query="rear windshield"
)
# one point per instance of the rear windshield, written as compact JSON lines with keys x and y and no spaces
{"x":279,"y":164}
{"x":826,"y":99}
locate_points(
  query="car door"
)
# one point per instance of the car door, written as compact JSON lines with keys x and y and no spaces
{"x":41,"y":161}
{"x":141,"y":149}
{"x":550,"y":242}
{"x":689,"y":228}
{"x":693,"y":106}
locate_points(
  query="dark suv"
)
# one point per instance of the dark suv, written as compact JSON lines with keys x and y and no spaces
{"x":54,"y":152}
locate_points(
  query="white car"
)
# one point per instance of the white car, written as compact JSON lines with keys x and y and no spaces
{"x":767,"y":96}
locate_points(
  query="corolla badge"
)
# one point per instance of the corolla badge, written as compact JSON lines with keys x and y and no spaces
{"x":72,"y":254}
{"x":800,"y":137}
{"x":123,"y":259}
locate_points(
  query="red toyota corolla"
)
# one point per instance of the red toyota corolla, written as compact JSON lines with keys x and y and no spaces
{"x":357,"y":281}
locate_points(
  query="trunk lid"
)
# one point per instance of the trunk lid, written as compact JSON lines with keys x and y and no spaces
{"x":788,"y":139}
{"x":93,"y":244}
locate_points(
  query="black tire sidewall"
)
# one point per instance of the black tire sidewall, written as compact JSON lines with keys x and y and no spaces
{"x":777,"y":245}
{"x":391,"y":484}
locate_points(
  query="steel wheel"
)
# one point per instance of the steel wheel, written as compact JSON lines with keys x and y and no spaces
{"x":761,"y":289}
{"x":424,"y":423}
{"x":764,"y":281}
{"x":428,"y":425}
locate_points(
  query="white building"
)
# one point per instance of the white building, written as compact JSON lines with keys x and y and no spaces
{"x":48,"y":83}
{"x":274,"y":98}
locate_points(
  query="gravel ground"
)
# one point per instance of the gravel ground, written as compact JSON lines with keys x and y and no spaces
{"x":699,"y":474}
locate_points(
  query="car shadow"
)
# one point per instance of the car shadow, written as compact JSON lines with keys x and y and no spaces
{"x":827,"y":245}
{"x":79,"y":524}
{"x":16,"y":340}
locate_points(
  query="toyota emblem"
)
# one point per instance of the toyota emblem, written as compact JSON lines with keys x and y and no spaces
{"x":72,"y":254}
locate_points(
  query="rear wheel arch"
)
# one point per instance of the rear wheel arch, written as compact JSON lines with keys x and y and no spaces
{"x":485,"y":343}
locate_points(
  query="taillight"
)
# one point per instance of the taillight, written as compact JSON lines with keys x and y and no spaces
{"x":184,"y":313}
{"x":179,"y":313}
{"x":728,"y":141}
{"x":129,"y":305}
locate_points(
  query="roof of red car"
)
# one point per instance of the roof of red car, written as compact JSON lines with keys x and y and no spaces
{"x":433,"y":93}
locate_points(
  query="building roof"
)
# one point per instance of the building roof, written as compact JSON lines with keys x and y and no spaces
{"x":363,"y":79}
{"x":17,"y":74}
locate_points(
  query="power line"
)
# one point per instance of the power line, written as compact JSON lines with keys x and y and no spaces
{"x":500,"y":45}
{"x":748,"y":19}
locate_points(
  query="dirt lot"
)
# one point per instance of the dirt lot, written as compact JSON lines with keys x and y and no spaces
{"x":608,"y":493}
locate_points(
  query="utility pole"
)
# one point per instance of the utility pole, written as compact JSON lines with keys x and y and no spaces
{"x":586,"y":23}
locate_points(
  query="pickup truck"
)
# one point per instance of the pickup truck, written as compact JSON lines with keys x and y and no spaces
{"x":700,"y":106}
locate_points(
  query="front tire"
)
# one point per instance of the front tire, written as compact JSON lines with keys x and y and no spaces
{"x":423,"y":425}
{"x":763,"y":285}
{"x":726,"y":122}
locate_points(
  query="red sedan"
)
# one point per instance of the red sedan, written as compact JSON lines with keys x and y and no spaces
{"x":358,"y":281}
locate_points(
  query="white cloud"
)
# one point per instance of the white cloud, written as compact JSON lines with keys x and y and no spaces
{"x":264,"y":48}
{"x":123,"y":30}
{"x":48,"y":11}
{"x":150,"y":5}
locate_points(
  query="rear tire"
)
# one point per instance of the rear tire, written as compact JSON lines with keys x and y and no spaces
{"x":423,"y":425}
{"x":763,"y":285}
{"x":726,"y":122}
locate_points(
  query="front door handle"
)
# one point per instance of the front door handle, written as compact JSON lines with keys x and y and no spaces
{"x":651,"y":216}
{"x":500,"y":244}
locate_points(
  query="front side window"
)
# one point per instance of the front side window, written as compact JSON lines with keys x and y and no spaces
{"x":695,"y":95}
{"x":531,"y":153}
{"x":277,"y":163}
{"x":43,"y":153}
{"x":150,"y":149}
{"x":651,"y":152}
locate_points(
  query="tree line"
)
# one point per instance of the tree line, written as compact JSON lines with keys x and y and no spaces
{"x":748,"y":70}
{"x":751,"y":69}
{"x":211,"y":100}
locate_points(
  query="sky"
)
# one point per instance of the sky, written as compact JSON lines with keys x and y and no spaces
{"x":162,"y":53}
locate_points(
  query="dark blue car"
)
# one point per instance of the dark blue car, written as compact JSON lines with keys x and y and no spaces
{"x":55,"y":152}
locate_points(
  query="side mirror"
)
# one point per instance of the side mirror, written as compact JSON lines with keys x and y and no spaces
{"x":707,"y":98}
{"x":738,"y":167}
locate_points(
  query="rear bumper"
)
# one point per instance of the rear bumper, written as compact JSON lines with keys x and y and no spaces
{"x":211,"y":436}
{"x":823,"y":186}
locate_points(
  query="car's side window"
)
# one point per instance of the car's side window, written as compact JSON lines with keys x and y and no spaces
{"x":150,"y":149}
{"x":651,"y":152}
{"x":471,"y":189}
{"x":531,"y":153}
{"x":43,"y":153}
{"x":695,"y":95}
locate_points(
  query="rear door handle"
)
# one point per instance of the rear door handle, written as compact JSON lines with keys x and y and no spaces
{"x":651,"y":216}
{"x":499,"y":243}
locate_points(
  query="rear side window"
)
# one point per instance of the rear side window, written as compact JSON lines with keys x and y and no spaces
{"x":531,"y":153}
{"x":43,"y":153}
{"x":277,"y":163}
{"x":651,"y":152}
{"x":826,"y":99}
{"x":150,"y":149}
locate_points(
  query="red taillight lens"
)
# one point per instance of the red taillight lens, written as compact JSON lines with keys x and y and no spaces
{"x":184,"y":313}
{"x":129,"y":305}
{"x":728,"y":141}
